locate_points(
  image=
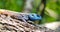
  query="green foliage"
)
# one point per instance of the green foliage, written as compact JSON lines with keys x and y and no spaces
{"x":52,"y":11}
{"x":16,"y":5}
{"x":53,"y":5}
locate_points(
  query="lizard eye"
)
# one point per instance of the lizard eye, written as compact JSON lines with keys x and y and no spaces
{"x":38,"y":16}
{"x":32,"y":15}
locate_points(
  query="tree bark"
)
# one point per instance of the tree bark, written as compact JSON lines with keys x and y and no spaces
{"x":12,"y":24}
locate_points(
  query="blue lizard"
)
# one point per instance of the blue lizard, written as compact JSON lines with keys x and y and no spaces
{"x":31,"y":17}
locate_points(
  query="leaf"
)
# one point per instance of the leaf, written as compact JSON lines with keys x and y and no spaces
{"x":51,"y":13}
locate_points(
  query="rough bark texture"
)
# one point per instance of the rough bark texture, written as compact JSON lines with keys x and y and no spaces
{"x":12,"y":24}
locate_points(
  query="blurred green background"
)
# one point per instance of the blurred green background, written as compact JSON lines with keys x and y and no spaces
{"x":52,"y":10}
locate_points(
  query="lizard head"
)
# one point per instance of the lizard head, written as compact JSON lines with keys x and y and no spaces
{"x":34,"y":17}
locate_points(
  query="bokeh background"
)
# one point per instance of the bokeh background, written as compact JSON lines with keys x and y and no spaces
{"x":51,"y":14}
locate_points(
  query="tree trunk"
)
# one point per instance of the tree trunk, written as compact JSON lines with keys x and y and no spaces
{"x":28,"y":6}
{"x":12,"y":24}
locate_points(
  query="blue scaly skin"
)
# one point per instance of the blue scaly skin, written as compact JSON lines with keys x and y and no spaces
{"x":31,"y":17}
